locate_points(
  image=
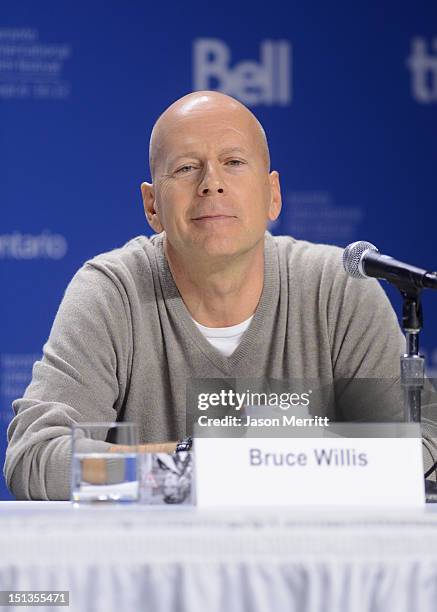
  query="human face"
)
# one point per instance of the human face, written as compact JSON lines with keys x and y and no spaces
{"x":212,"y":192}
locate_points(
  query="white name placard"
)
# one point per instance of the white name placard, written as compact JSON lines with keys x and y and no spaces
{"x":309,"y":471}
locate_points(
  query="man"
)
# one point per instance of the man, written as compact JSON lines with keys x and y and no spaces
{"x":210,"y":296}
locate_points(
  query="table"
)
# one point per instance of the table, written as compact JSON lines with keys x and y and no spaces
{"x":131,"y":558}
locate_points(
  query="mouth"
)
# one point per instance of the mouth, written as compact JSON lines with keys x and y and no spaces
{"x":214,"y":218}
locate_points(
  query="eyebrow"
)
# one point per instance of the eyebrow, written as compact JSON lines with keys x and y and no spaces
{"x":225,"y":151}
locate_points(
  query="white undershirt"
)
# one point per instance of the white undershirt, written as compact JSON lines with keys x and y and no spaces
{"x":225,"y":339}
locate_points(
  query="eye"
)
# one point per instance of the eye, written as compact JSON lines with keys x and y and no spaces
{"x":184,"y":169}
{"x":235,"y":162}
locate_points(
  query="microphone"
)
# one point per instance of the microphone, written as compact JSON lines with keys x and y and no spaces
{"x":363,"y":260}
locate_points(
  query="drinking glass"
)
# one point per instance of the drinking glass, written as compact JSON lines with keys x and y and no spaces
{"x":104,"y":462}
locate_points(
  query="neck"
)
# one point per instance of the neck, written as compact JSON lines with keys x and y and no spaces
{"x":219,"y":293}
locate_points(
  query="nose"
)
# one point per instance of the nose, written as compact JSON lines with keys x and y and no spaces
{"x":211,"y":182}
{"x":206,"y":190}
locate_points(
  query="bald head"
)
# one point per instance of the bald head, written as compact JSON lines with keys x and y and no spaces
{"x":204,"y":106}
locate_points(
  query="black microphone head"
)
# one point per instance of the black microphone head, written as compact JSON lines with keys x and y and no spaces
{"x":353,"y":256}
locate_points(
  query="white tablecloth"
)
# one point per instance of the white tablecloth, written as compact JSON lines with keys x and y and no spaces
{"x":133,"y":558}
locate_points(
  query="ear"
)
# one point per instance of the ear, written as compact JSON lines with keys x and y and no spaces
{"x":275,"y":199}
{"x":150,"y":211}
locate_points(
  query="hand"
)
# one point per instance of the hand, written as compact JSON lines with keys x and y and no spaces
{"x":94,"y":469}
{"x":152,"y":447}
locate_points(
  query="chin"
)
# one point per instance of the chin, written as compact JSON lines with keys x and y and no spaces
{"x":223,"y":247}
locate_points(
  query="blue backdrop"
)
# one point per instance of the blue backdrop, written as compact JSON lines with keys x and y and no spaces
{"x":347,"y":95}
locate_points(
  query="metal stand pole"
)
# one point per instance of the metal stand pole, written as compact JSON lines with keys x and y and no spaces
{"x":412,"y":364}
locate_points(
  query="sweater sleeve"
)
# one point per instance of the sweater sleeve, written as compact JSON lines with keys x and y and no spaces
{"x":366,"y":339}
{"x":82,"y":376}
{"x":366,"y":344}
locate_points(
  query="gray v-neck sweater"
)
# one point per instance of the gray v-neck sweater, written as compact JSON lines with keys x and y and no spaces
{"x":123,"y":346}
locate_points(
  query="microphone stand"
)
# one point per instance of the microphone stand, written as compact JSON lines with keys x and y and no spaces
{"x":413,"y":369}
{"x":412,"y":364}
